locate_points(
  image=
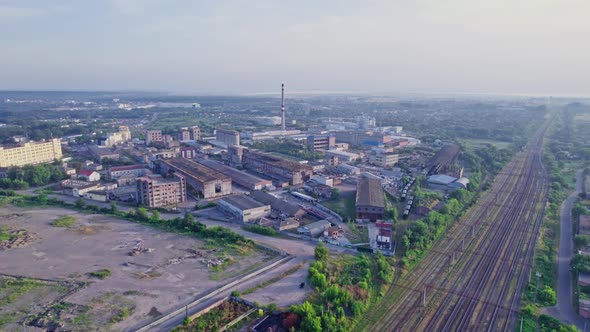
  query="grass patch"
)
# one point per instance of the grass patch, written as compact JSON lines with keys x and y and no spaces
{"x":101,"y":274}
{"x":64,"y":221}
{"x":123,"y":314}
{"x":83,"y":320}
{"x":475,"y":142}
{"x":5,"y":234}
{"x":12,"y":289}
{"x":358,"y":235}
{"x":344,"y":206}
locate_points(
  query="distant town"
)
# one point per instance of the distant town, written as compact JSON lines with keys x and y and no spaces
{"x":242,"y":199}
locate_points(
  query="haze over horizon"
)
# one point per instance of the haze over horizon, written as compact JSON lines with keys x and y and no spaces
{"x":536,"y":47}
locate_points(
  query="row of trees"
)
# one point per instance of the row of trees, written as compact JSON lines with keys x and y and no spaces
{"x":420,"y":236}
{"x":33,"y":175}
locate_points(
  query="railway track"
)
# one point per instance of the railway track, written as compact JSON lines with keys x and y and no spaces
{"x":472,"y":279}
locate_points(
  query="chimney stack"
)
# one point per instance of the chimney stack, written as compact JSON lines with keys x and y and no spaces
{"x":283,"y":106}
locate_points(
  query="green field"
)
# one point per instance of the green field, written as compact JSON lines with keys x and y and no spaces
{"x":473,"y":142}
{"x":344,"y":206}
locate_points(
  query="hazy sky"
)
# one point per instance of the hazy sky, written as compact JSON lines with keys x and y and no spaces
{"x":218,"y":46}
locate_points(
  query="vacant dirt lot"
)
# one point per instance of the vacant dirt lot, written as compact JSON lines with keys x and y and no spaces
{"x":171,"y":270}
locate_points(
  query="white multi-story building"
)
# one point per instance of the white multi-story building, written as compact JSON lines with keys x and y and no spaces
{"x":31,"y":153}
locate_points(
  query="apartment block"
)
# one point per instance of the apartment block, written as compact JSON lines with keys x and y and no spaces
{"x":153,"y":136}
{"x":155,"y":191}
{"x":30,"y":153}
{"x":320,"y":142}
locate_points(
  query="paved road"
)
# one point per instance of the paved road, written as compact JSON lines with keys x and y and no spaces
{"x":564,"y":310}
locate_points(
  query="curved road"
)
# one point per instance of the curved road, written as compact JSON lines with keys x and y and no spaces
{"x":564,"y":310}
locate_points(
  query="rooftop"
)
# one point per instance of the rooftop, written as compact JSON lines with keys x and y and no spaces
{"x":441,"y":179}
{"x":278,"y":162}
{"x":275,"y":203}
{"x":369,"y":192}
{"x":101,"y":151}
{"x":196,"y":170}
{"x":242,"y":202}
{"x":232,"y":172}
{"x":86,"y":172}
{"x":125,"y":168}
{"x":320,"y":224}
{"x":446,"y":155}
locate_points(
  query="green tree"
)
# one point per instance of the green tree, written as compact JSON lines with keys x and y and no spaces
{"x":189,"y":219}
{"x":581,"y":241}
{"x":310,"y":322}
{"x":321,"y":252}
{"x":335,"y":193}
{"x":42,"y":198}
{"x":142,"y":214}
{"x":547,"y":295}
{"x":114,"y":208}
{"x":318,"y":280}
{"x":155,"y":216}
{"x":80,"y":203}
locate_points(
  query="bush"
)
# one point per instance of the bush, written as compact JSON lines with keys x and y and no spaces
{"x":260,"y":230}
{"x":64,"y":221}
{"x":101,"y":274}
{"x":547,"y":296}
{"x":321,"y":252}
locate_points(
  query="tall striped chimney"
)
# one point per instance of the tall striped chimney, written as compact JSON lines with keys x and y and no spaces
{"x":283,"y":106}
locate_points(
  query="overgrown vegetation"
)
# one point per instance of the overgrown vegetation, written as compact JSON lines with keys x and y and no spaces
{"x":343,"y":289}
{"x":101,"y":274}
{"x":64,"y":221}
{"x":215,"y":318}
{"x":260,"y":230}
{"x":12,"y":289}
{"x":421,"y":235}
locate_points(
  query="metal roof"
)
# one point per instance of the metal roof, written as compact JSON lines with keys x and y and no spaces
{"x":370,"y":192}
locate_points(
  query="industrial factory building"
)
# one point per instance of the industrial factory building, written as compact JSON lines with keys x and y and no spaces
{"x":227,"y":137}
{"x":244,"y":208}
{"x":238,"y":177}
{"x":276,"y":168}
{"x":444,"y":160}
{"x":210,"y":183}
{"x":370,"y":202}
{"x":283,"y":207}
{"x":361,"y":137}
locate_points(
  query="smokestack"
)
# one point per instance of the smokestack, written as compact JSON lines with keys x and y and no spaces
{"x":283,"y":106}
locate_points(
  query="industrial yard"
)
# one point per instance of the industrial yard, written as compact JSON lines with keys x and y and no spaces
{"x":101,"y":271}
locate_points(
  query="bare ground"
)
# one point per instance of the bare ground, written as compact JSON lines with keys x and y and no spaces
{"x":151,"y":282}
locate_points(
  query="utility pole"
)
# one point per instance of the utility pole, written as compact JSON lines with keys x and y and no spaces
{"x":424,"y":297}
